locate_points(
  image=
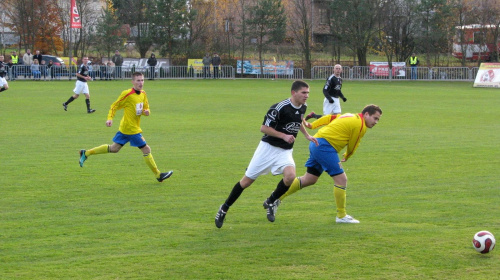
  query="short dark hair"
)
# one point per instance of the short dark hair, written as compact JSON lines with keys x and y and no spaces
{"x":298,"y":85}
{"x":371,"y":109}
{"x":136,"y":74}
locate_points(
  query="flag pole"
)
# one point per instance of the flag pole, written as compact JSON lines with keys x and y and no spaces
{"x":70,"y":57}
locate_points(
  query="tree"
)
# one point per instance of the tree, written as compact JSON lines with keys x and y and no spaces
{"x":396,"y":30}
{"x":109,"y":32}
{"x":357,"y":19}
{"x":169,"y":23}
{"x":433,"y":15}
{"x":267,"y":24}
{"x":24,"y":22}
{"x":137,"y":13}
{"x":300,"y":26}
{"x":462,"y":15}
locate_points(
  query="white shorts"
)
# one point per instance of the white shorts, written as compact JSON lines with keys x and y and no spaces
{"x":268,"y":158}
{"x":331,"y":108}
{"x":3,"y":82}
{"x":81,"y":87}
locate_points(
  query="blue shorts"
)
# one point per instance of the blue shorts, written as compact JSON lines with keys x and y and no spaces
{"x":136,"y":140}
{"x":324,"y":158}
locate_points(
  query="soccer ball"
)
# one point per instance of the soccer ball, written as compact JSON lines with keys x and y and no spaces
{"x":483,"y":242}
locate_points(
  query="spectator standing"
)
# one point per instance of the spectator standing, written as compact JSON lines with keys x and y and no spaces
{"x":216,"y":64}
{"x":206,"y":66}
{"x":10,"y":69}
{"x":15,"y":61}
{"x":118,"y":61}
{"x":38,"y":56}
{"x":91,"y":70}
{"x":414,"y":62}
{"x":3,"y":71}
{"x":152,"y":66}
{"x":43,"y":69}
{"x":50,"y":69}
{"x":109,"y":70}
{"x":35,"y":70}
{"x":27,"y":60}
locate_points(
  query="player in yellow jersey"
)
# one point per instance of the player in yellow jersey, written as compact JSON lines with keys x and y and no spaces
{"x":135,"y":104}
{"x":341,"y":131}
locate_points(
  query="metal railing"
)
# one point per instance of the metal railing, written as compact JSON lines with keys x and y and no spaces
{"x":102,"y":72}
{"x":401,"y":74}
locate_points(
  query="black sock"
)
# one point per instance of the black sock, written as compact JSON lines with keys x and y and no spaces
{"x":280,"y":190}
{"x":87,"y":101}
{"x":2,"y":89}
{"x":69,"y":100}
{"x":317,"y":116}
{"x":233,"y":196}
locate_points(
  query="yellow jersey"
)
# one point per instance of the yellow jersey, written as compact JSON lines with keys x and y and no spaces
{"x":344,"y":130}
{"x":133,"y":104}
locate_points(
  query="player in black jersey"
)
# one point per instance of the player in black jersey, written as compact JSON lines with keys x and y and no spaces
{"x":333,"y":93}
{"x":81,"y":86}
{"x":274,"y":153}
{"x":3,"y":72}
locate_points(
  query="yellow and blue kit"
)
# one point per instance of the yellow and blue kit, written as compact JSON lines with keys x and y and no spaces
{"x":344,"y":130}
{"x":133,"y":103}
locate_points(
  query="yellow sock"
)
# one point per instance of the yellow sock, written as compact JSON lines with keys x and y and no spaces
{"x":340,"y":200}
{"x":148,"y":158}
{"x":103,"y":149}
{"x":295,"y":186}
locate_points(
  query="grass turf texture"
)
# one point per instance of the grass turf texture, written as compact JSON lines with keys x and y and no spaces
{"x":422,"y":183}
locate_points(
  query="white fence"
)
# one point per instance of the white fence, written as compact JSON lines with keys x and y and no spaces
{"x":21,"y":72}
{"x":421,"y":73}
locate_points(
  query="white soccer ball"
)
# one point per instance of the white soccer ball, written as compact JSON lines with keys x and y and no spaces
{"x":483,"y":242}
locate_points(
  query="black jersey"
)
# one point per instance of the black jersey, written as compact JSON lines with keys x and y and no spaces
{"x":3,"y":69}
{"x":333,"y":87}
{"x":286,"y":118}
{"x":84,"y":71}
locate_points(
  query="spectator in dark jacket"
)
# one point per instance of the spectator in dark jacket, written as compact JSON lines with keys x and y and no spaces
{"x":118,"y":61}
{"x":152,"y":65}
{"x":216,"y":63}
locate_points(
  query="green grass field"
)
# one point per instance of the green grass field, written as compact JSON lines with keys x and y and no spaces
{"x":422,"y":182}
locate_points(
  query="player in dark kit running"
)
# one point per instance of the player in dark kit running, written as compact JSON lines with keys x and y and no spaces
{"x":274,"y":153}
{"x":81,"y":86}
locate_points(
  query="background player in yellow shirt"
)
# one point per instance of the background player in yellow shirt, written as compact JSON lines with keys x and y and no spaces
{"x":135,"y":103}
{"x":340,"y":131}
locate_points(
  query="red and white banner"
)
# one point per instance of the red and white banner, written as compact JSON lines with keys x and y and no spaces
{"x":75,"y":16}
{"x":382,"y":69}
{"x":488,"y":75}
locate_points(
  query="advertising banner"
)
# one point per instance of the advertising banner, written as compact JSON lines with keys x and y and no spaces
{"x":75,"y":16}
{"x":270,"y":67}
{"x":488,"y":75}
{"x":197,"y":64}
{"x":381,"y":68}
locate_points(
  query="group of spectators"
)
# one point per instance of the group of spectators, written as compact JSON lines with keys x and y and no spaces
{"x":215,"y":61}
{"x":31,"y":65}
{"x":35,"y":67}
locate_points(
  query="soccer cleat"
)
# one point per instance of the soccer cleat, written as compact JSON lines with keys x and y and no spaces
{"x":219,"y":217}
{"x":270,"y":210}
{"x":310,"y":116}
{"x":347,"y":220}
{"x":164,"y":176}
{"x":275,"y":206}
{"x":65,"y":106}
{"x":83,"y":157}
{"x":90,"y":111}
